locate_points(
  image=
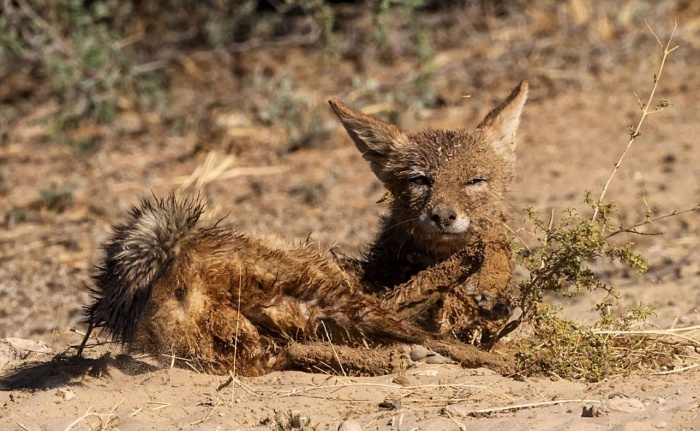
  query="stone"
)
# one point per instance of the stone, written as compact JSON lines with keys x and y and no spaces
{"x":347,"y":425}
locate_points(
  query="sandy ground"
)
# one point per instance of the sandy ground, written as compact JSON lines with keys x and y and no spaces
{"x":136,"y":396}
{"x":572,"y":131}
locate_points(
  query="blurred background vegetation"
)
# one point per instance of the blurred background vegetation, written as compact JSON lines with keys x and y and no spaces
{"x":92,"y":58}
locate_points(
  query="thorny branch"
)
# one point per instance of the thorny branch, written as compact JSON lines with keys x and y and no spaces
{"x":650,"y":220}
{"x":646,"y":111}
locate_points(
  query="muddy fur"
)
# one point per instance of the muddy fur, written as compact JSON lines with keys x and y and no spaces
{"x":464,"y":295}
{"x":441,"y":258}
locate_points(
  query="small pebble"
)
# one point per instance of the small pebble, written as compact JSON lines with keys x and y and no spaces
{"x":349,"y":426}
{"x":661,"y":425}
{"x":618,"y":405}
{"x":66,"y":393}
{"x":403,"y":380}
{"x":419,"y":352}
{"x":437,"y":359}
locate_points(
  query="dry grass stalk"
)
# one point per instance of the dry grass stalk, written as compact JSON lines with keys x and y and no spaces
{"x":105,"y":419}
{"x":208,"y":415}
{"x":335,"y":352}
{"x":461,"y":426}
{"x":676,"y":337}
{"x":217,"y":168}
{"x":676,"y":370}
{"x":514,"y":407}
{"x":159,"y":406}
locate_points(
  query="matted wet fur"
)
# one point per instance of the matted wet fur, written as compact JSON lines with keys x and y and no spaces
{"x":441,"y":258}
{"x":228,"y":301}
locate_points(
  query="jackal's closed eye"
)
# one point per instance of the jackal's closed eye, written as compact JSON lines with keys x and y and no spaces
{"x":420,"y":180}
{"x":477,"y":181}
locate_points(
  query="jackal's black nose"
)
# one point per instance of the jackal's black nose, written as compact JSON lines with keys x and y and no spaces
{"x":443,"y":215}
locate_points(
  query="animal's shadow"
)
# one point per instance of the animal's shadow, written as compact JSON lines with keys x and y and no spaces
{"x":66,"y":370}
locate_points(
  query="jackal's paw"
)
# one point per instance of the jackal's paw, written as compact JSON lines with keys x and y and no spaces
{"x":472,"y":317}
{"x":492,"y":308}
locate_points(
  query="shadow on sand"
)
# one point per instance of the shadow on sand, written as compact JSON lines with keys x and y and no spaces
{"x":64,"y":369}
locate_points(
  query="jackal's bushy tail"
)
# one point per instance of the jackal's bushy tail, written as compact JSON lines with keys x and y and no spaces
{"x":139,"y":252}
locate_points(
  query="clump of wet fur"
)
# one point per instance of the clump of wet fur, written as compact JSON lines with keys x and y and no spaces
{"x":441,"y":258}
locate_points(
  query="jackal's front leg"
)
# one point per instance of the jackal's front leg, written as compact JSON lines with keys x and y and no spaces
{"x":465,"y":295}
{"x":425,"y":290}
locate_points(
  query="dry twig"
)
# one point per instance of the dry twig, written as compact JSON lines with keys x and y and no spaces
{"x":528,"y":405}
{"x":645,"y":107}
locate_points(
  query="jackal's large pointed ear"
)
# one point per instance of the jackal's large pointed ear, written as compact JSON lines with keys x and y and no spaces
{"x":376,"y":140}
{"x":502,"y":122}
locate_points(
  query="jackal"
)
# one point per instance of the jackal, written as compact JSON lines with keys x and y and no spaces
{"x":170,"y":285}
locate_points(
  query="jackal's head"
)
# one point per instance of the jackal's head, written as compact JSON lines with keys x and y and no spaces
{"x":448,"y":187}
